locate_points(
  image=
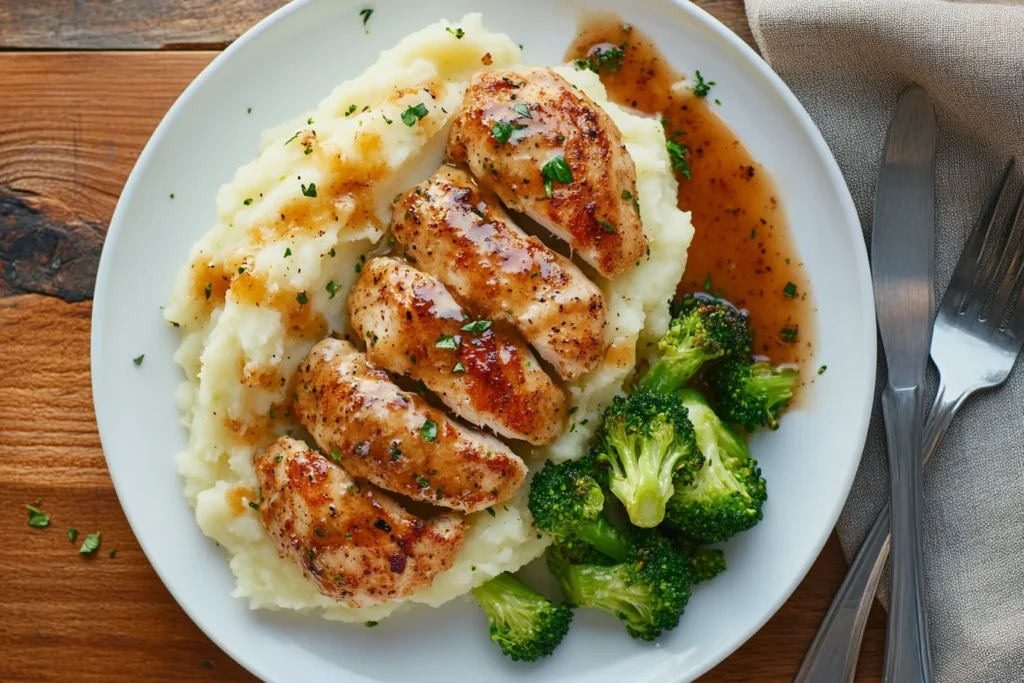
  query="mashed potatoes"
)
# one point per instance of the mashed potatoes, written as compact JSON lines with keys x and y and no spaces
{"x":271,"y":277}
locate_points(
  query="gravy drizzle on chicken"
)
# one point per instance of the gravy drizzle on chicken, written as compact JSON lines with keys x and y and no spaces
{"x":548,"y":151}
{"x":396,"y":440}
{"x":354,"y":542}
{"x":459,"y":233}
{"x":413,"y":326}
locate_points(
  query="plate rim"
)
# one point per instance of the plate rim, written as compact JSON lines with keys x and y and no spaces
{"x":708,"y":22}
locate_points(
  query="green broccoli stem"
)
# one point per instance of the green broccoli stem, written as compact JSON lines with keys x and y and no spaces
{"x":604,"y":537}
{"x":644,"y":488}
{"x":669,"y":373}
{"x":504,"y":591}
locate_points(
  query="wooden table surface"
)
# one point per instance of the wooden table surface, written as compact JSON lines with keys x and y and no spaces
{"x":82,"y":86}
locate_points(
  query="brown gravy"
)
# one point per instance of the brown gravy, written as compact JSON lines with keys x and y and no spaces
{"x":742,"y":249}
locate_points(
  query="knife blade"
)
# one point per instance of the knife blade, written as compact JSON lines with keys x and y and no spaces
{"x":903,"y":273}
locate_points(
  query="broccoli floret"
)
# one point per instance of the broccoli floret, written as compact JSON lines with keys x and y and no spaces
{"x":726,"y":494}
{"x":705,"y":563}
{"x":704,"y":329}
{"x":648,"y":592}
{"x":523,"y":622}
{"x":646,"y":441}
{"x":752,"y":394}
{"x":566,"y":502}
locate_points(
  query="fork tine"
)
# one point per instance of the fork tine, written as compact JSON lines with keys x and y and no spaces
{"x":967,"y":267}
{"x":997,"y":309}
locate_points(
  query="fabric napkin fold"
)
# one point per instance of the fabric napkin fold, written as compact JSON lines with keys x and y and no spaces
{"x":848,"y":61}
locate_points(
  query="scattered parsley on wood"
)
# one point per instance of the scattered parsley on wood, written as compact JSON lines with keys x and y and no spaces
{"x":428,"y":430}
{"x":677,"y":155}
{"x":138,"y":359}
{"x":789,"y":290}
{"x":703,"y":87}
{"x":477,"y":326}
{"x":113,"y":553}
{"x":72,"y":534}
{"x":90,"y":545}
{"x":37,"y":517}
{"x":556,"y":170}
{"x":413,"y":114}
{"x":310,"y":190}
{"x":447,"y":341}
{"x":707,"y":283}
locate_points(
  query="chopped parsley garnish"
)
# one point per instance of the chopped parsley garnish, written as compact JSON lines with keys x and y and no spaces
{"x":707,"y":283}
{"x":395,"y":451}
{"x":560,"y":138}
{"x":249,"y":110}
{"x":627,"y":195}
{"x":365,"y":14}
{"x":335,"y":455}
{"x":90,"y":545}
{"x":703,"y":87}
{"x":459,"y":367}
{"x":318,"y":531}
{"x":413,"y":114}
{"x":72,"y":534}
{"x":677,"y":155}
{"x":422,"y":482}
{"x":369,"y":624}
{"x":138,"y":359}
{"x":331,"y":253}
{"x":477,"y":326}
{"x":822,"y":369}
{"x":309,"y":190}
{"x":428,"y":430}
{"x":359,"y":268}
{"x":607,"y":226}
{"x":254,"y":505}
{"x":458,"y":33}
{"x":302,"y":298}
{"x":789,"y":290}
{"x":37,"y":517}
{"x":573,"y":409}
{"x":309,"y":150}
{"x":490,"y":511}
{"x":789,"y":333}
{"x":556,"y":170}
{"x":209,"y":289}
{"x":447,"y":341}
{"x":386,"y":119}
{"x":603,"y":59}
{"x":523,"y":110}
{"x":285,"y":142}
{"x":332,"y":288}
{"x":247,"y":201}
{"x":287,"y":252}
{"x":503,"y":131}
{"x":382,"y":525}
{"x":351,"y":108}
{"x":113,"y":553}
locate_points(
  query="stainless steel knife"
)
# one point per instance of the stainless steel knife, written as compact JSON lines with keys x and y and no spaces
{"x":903,"y":270}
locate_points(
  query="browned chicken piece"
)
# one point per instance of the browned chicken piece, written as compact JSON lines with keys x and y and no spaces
{"x":459,"y":233}
{"x":354,"y":542}
{"x":551,"y":153}
{"x":413,"y":326}
{"x":396,"y":440}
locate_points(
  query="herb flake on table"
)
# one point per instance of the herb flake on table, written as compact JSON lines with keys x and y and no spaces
{"x":138,"y":359}
{"x":72,"y":534}
{"x":90,"y":545}
{"x":37,"y":517}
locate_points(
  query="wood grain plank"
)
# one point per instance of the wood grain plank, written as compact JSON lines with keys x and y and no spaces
{"x":183,"y":24}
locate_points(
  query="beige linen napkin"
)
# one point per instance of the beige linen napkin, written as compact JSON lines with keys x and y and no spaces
{"x":848,"y":61}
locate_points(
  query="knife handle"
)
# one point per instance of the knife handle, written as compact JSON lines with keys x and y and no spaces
{"x":907,"y":653}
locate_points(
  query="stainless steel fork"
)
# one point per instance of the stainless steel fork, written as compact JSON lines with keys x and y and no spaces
{"x":977,"y":336}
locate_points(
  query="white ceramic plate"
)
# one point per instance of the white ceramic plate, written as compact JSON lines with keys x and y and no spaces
{"x":284,"y":66}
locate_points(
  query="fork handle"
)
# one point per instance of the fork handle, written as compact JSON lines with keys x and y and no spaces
{"x":832,"y":656}
{"x":907,"y":655}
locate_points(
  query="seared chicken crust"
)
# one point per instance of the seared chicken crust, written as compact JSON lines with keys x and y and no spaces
{"x":460,"y":234}
{"x":548,"y":151}
{"x":355,"y":543}
{"x":361,"y":419}
{"x":413,"y":326}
